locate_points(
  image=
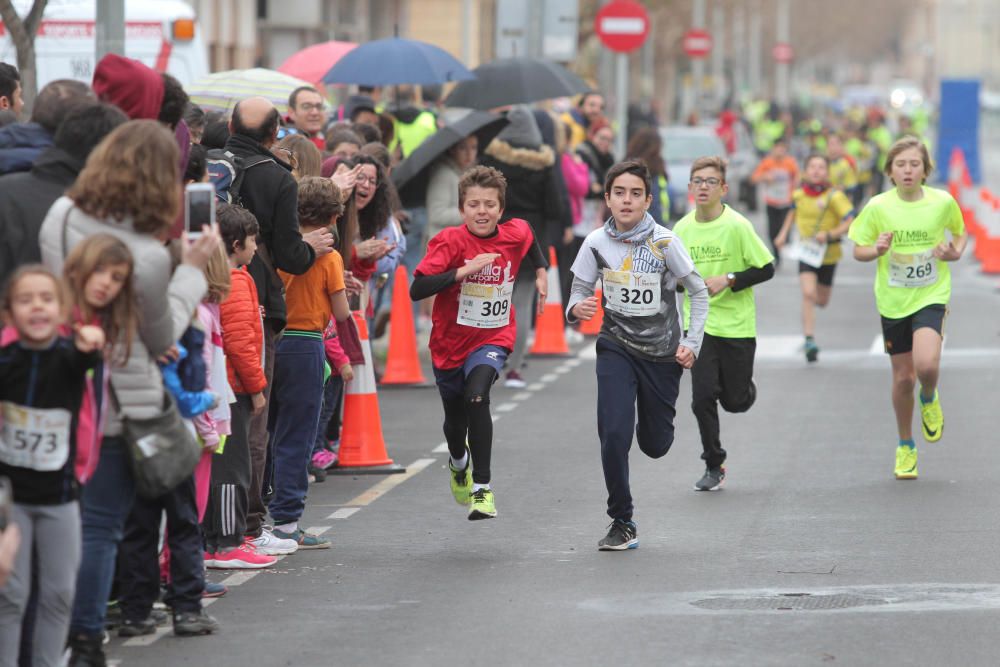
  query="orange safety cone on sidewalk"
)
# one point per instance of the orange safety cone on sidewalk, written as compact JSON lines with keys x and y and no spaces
{"x":402,"y":365}
{"x":362,"y":449}
{"x":550,"y":339}
{"x":592,"y":327}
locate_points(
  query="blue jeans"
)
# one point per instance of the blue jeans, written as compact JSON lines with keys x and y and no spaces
{"x":106,"y":502}
{"x":627,"y":387}
{"x":296,"y":400}
{"x":331,"y":403}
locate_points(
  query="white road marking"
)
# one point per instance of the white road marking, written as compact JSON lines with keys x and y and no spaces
{"x":573,"y":363}
{"x":389,"y":483}
{"x":588,"y":353}
{"x":521,"y":396}
{"x":536,"y":386}
{"x":318,"y":530}
{"x":878,"y":346}
{"x":146,"y":640}
{"x":344,"y":513}
{"x":549,"y":377}
{"x":562,"y":370}
{"x":506,"y":407}
{"x":239,"y":578}
{"x":440,"y":449}
{"x":778,"y":347}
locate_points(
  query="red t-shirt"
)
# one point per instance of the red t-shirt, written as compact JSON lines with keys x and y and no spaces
{"x":451,"y":343}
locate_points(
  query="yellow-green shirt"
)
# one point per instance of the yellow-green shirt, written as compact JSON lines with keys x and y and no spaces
{"x":843,"y":174}
{"x":727,"y":244}
{"x":835,"y":207}
{"x":916,"y":228}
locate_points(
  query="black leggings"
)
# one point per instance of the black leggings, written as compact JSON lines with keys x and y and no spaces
{"x":469,"y":417}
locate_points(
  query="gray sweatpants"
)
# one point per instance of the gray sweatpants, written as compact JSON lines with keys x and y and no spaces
{"x":54,"y":532}
{"x":524,"y":299}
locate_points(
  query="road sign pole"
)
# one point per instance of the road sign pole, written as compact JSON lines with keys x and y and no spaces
{"x":782,"y":68}
{"x":698,"y":64}
{"x":109,"y":28}
{"x":621,"y":103}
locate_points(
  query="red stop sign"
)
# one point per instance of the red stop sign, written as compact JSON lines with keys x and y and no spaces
{"x":622,"y":25}
{"x":697,"y":43}
{"x":782,"y":53}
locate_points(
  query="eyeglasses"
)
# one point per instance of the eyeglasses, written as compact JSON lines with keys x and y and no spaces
{"x":710,"y":182}
{"x":362,"y":179}
{"x":312,"y":106}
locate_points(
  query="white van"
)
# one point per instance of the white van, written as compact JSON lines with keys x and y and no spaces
{"x":163,"y":34}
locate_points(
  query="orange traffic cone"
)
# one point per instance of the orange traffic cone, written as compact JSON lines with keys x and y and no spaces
{"x":362,"y":449}
{"x":592,"y":327}
{"x":402,"y":365}
{"x":550,"y":339}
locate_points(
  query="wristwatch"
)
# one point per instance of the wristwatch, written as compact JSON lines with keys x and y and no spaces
{"x":731,"y":277}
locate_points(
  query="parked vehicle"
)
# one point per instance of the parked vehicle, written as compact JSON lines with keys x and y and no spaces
{"x":163,"y":34}
{"x":683,"y":144}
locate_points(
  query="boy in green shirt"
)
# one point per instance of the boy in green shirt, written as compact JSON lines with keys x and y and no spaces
{"x":727,"y":251}
{"x":913,"y":232}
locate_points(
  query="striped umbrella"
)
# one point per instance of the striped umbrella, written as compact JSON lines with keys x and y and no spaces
{"x":222,"y":90}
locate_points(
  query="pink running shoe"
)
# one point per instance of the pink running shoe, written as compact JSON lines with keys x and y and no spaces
{"x":323,"y":459}
{"x":243,"y":557}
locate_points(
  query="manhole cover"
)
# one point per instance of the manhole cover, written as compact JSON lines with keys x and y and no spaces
{"x":791,"y":602}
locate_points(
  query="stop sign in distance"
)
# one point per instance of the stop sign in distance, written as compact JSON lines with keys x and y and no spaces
{"x":622,"y":25}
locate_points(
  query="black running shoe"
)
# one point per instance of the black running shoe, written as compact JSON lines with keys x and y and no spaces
{"x":130,"y":628}
{"x":87,"y":651}
{"x":621,"y":536}
{"x":712,"y":480}
{"x":187,"y":623}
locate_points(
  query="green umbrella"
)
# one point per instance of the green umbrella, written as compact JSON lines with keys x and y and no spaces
{"x":222,"y":90}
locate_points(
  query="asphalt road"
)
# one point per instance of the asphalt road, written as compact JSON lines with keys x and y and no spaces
{"x":812,"y":554}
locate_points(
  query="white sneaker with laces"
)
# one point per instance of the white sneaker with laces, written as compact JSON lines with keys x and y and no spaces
{"x":270,"y":545}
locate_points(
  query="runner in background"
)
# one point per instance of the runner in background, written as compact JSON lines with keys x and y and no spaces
{"x":822,"y":216}
{"x":725,"y":250}
{"x":779,"y":173}
{"x":642,"y":349}
{"x":904,"y":230}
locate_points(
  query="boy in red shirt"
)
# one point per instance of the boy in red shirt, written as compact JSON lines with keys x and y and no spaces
{"x":472,"y":268}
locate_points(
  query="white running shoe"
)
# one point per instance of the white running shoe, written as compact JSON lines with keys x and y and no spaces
{"x":270,"y":545}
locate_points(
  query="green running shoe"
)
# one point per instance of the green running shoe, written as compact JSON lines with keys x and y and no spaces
{"x":461,"y":481}
{"x":483,"y":505}
{"x":932,"y":419}
{"x":906,"y":462}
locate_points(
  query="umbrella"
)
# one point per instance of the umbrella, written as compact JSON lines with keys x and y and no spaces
{"x":410,"y":176}
{"x":394,"y":61}
{"x":516,"y":81}
{"x":311,"y":63}
{"x":222,"y":90}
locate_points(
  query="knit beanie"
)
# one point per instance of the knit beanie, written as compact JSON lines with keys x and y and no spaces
{"x":522,"y":130}
{"x":131,"y":86}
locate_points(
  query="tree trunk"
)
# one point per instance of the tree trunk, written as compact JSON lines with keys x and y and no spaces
{"x":22,"y":34}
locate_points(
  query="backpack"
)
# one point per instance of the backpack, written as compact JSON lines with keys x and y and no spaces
{"x":226,"y":172}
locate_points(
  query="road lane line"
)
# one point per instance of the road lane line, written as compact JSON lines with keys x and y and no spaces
{"x":549,"y":377}
{"x":562,"y":370}
{"x":239,"y":578}
{"x":344,"y":513}
{"x":522,"y":396}
{"x":389,"y":483}
{"x":506,"y":407}
{"x":318,"y":530}
{"x":877,"y":346}
{"x":440,"y":449}
{"x":536,"y":386}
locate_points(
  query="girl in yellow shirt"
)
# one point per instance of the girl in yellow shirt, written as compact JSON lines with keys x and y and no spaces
{"x":822,"y":216}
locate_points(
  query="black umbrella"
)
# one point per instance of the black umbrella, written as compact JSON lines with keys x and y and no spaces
{"x":515,"y":81}
{"x":410,"y":176}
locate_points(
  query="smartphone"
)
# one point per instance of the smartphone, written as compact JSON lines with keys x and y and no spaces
{"x":6,"y":501}
{"x":199,"y":207}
